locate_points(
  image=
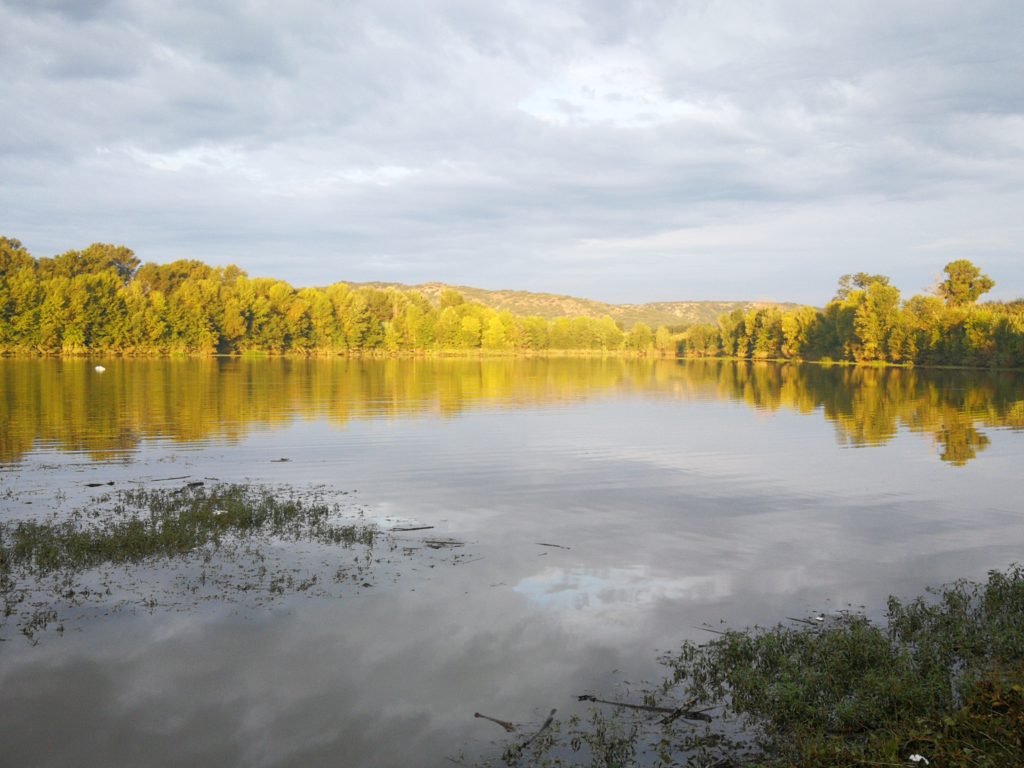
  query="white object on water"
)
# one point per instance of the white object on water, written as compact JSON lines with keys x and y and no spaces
{"x":100,"y":369}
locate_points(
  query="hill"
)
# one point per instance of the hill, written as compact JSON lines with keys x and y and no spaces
{"x":550,"y":305}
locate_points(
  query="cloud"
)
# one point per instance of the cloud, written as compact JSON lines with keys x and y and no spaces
{"x":582,"y":148}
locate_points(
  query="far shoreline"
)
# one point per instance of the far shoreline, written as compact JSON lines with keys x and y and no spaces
{"x":101,"y":355}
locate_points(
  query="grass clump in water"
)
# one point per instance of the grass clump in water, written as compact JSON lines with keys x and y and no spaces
{"x":942,"y":680}
{"x":148,"y":524}
{"x":185,"y":545}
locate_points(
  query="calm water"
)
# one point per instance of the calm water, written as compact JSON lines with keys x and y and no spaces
{"x":679,"y":493}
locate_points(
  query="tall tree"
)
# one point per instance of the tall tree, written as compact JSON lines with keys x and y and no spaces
{"x":964,"y":283}
{"x":857,"y":282}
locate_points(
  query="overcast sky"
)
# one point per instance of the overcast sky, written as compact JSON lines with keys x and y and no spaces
{"x":624,"y":151}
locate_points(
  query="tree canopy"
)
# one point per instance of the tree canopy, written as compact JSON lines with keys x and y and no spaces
{"x":964,"y":283}
{"x":101,"y":299}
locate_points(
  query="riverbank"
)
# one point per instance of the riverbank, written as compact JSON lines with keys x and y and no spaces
{"x":939,"y":682}
{"x":481,"y":354}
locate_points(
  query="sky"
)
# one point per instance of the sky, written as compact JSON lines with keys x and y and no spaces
{"x":621,"y":151}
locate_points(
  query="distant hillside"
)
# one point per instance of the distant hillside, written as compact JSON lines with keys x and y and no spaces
{"x":550,"y":305}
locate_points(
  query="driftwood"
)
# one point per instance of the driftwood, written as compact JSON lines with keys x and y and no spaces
{"x":412,"y":528}
{"x":503,"y":723}
{"x":670,"y":714}
{"x":557,"y":546}
{"x":160,"y":479}
{"x":547,"y":724}
{"x":709,"y":629}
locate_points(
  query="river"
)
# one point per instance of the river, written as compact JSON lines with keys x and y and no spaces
{"x":604,"y":509}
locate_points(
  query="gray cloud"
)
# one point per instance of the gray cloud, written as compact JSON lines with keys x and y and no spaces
{"x":631,"y":152}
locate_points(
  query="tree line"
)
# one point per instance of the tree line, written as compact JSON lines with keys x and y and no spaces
{"x":103,"y":300}
{"x":867,"y":321}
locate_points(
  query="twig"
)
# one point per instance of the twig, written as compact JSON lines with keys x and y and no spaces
{"x":687,"y":714}
{"x":670,"y":714}
{"x":644,"y":707}
{"x":547,"y":724}
{"x":557,"y":546}
{"x":509,"y":727}
{"x":716,"y":631}
{"x":160,"y":479}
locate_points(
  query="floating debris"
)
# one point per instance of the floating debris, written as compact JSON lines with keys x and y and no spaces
{"x":547,"y":724}
{"x":509,"y":727}
{"x":443,"y":543}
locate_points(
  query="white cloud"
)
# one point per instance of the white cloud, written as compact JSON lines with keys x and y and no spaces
{"x":611,"y":149}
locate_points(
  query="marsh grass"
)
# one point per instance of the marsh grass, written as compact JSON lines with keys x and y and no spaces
{"x":219,"y":541}
{"x":147,"y":524}
{"x":942,"y":677}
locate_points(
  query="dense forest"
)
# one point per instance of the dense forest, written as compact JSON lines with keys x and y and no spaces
{"x":867,"y":321}
{"x":103,"y":300}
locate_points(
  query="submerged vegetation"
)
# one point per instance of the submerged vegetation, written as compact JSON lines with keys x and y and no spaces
{"x":175,"y":523}
{"x":942,"y":681}
{"x":150,"y":547}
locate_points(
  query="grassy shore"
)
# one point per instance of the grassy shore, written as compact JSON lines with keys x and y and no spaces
{"x":939,"y":683}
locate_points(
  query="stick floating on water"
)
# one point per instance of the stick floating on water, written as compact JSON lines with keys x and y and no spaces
{"x":503,"y":723}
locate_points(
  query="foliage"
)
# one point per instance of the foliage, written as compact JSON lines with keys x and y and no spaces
{"x":866,"y":322}
{"x":964,"y":283}
{"x":101,"y":300}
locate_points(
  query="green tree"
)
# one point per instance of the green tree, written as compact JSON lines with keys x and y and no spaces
{"x":494,"y":335}
{"x":798,"y":329}
{"x":450,"y":298}
{"x":469,"y":332}
{"x":964,"y":283}
{"x":857,"y":282}
{"x":13,"y":256}
{"x":640,"y":338}
{"x":664,"y":342}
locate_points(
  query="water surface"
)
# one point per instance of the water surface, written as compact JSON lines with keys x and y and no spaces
{"x":679,"y":493}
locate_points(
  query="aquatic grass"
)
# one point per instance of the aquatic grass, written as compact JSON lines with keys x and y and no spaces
{"x":218,"y":539}
{"x":148,"y":523}
{"x":942,"y":677}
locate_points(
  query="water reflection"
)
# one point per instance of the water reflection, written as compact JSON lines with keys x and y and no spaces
{"x":65,"y":404}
